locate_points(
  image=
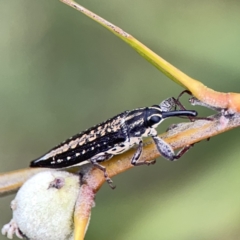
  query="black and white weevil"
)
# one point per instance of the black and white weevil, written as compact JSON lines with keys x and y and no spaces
{"x":115,"y":136}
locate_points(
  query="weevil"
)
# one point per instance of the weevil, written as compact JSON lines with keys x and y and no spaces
{"x":115,"y":136}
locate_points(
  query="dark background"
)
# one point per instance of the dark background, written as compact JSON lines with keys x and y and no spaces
{"x":61,"y":73}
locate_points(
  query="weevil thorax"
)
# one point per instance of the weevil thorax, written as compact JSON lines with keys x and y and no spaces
{"x":142,"y":122}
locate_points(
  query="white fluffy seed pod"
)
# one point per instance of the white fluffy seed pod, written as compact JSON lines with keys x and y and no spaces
{"x":44,"y":207}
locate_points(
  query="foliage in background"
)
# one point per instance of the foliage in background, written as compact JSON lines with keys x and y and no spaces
{"x":70,"y":79}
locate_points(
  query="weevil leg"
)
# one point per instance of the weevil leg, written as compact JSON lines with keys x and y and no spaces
{"x":194,"y":102}
{"x":137,"y":155}
{"x":166,"y":150}
{"x":183,"y":151}
{"x":173,"y":103}
{"x":183,"y":92}
{"x":100,"y":158}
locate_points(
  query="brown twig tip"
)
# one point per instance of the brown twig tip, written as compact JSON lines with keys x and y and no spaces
{"x":96,"y":18}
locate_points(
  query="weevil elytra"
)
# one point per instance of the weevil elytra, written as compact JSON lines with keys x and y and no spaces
{"x":113,"y":137}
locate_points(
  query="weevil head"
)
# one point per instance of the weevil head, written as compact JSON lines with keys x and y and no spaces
{"x":155,"y":115}
{"x":141,"y":122}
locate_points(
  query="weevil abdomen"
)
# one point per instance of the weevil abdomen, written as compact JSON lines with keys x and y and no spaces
{"x":83,"y":146}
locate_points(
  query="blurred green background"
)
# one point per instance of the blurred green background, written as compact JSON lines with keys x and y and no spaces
{"x":61,"y":73}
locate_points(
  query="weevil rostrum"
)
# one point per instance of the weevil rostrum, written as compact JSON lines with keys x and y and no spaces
{"x":115,"y":136}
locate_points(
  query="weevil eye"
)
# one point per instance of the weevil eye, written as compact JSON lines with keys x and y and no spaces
{"x":154,"y":120}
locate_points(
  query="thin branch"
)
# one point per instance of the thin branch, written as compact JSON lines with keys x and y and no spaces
{"x":10,"y":182}
{"x":183,"y":134}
